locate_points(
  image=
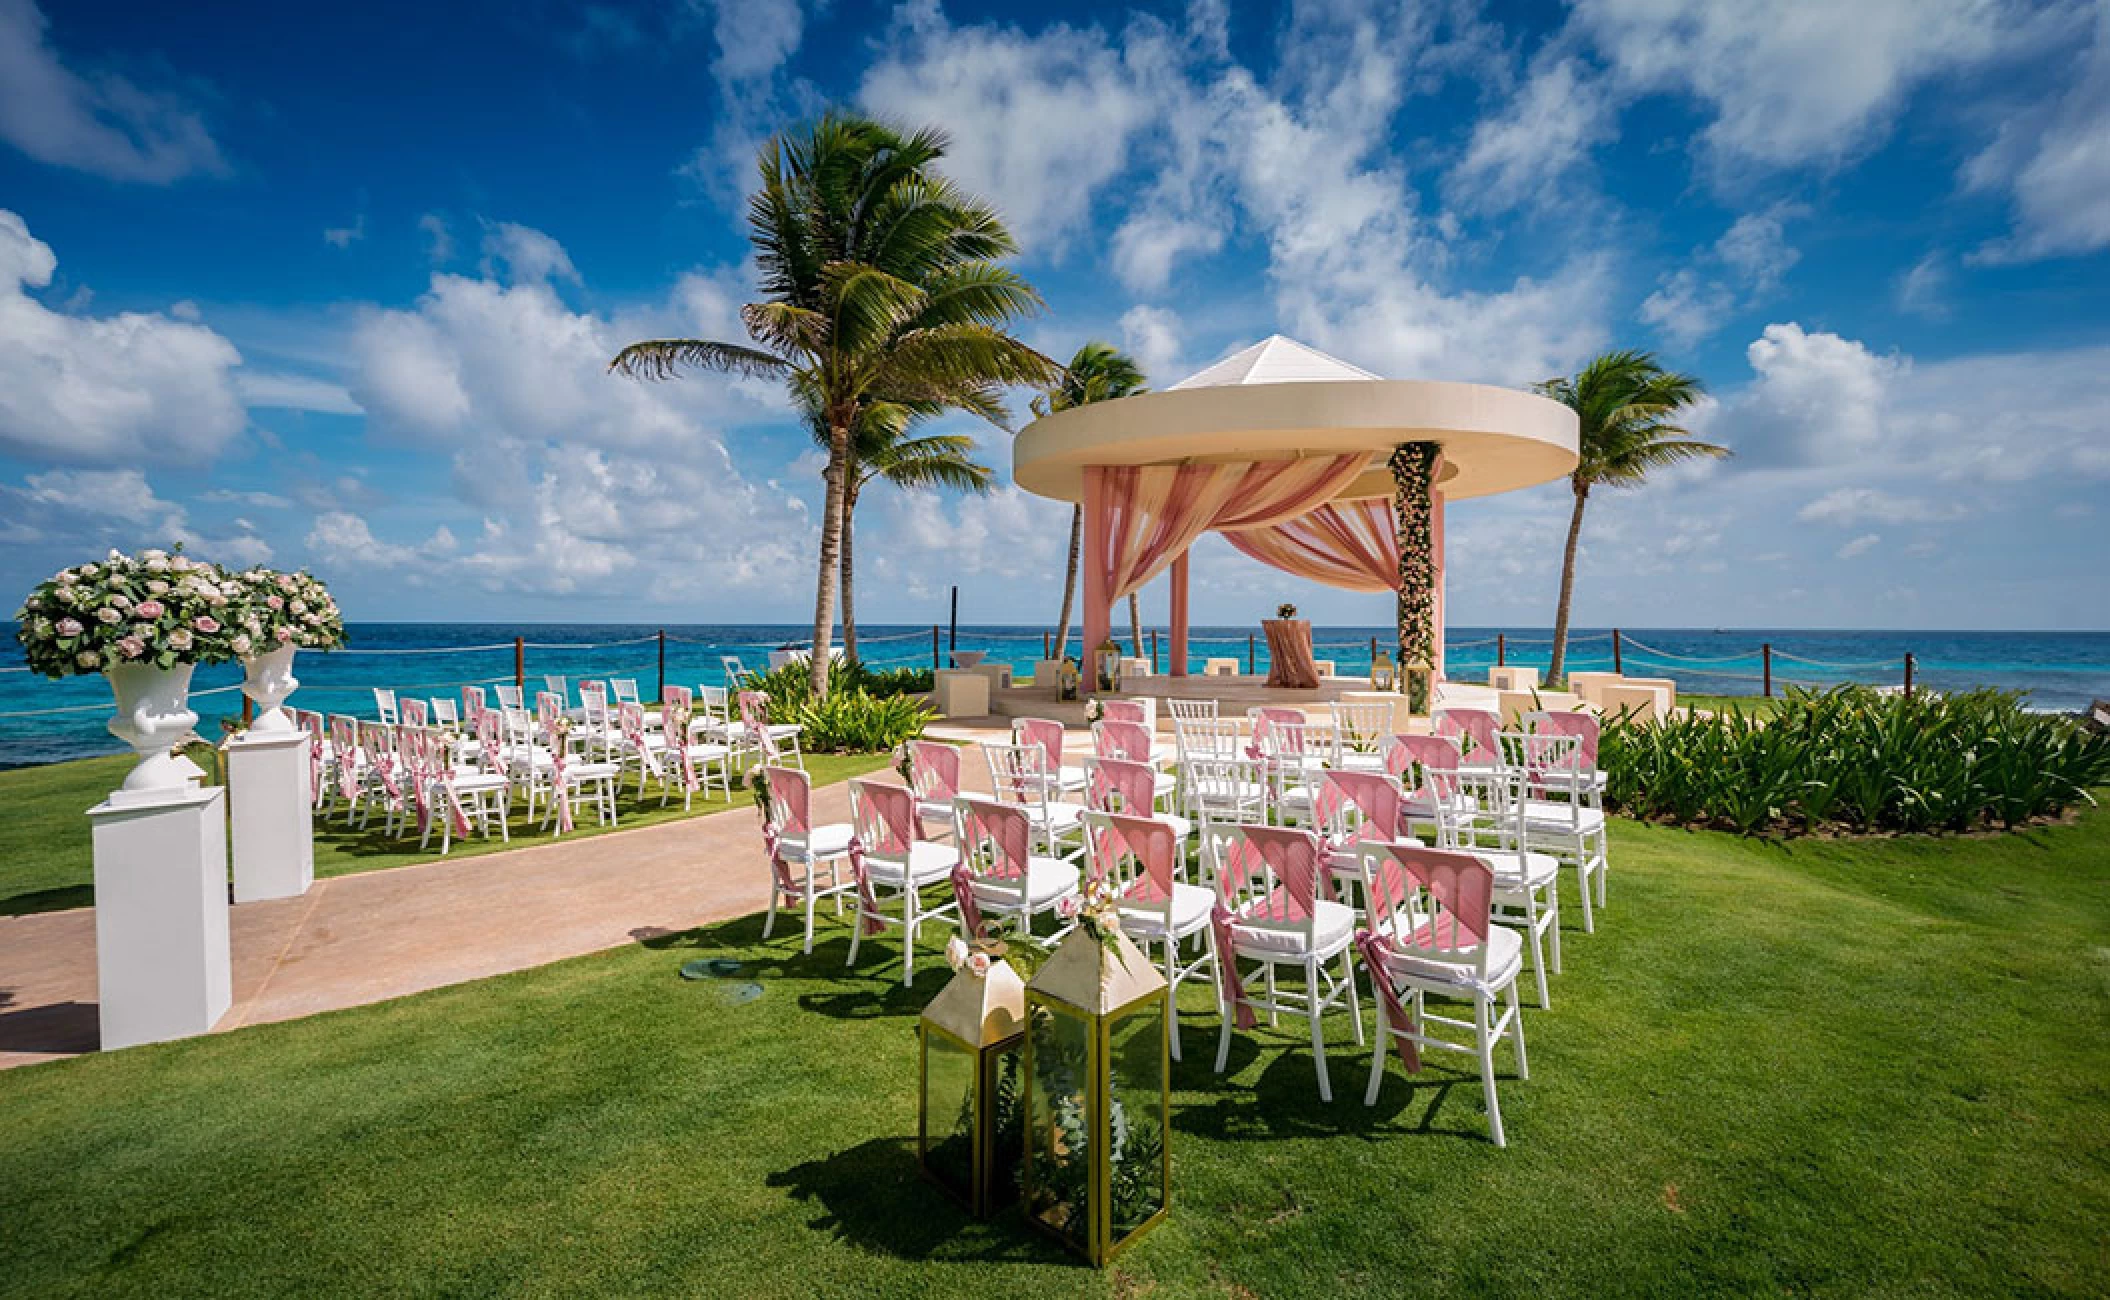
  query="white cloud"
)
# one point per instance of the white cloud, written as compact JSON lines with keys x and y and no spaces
{"x":277,"y":389}
{"x":1848,"y":506}
{"x":1692,"y":302}
{"x":755,"y":37}
{"x":1148,"y":245}
{"x":1755,"y":246}
{"x":346,"y":236}
{"x":2057,"y":163}
{"x":1922,"y":288}
{"x":1039,"y":123}
{"x":1152,"y":336}
{"x":439,"y":238}
{"x":1685,"y":309}
{"x":102,"y":124}
{"x":1799,"y":81}
{"x":94,"y":508}
{"x":1817,"y":397}
{"x":524,"y":255}
{"x":136,"y":386}
{"x":343,"y":539}
{"x":1861,"y":545}
{"x":1527,"y":152}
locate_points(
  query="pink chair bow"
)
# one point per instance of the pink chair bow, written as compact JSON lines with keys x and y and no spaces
{"x":1004,"y":833}
{"x":789,"y":814}
{"x":559,"y":760}
{"x":884,"y":823}
{"x":1130,"y":711}
{"x":1119,"y":786}
{"x":1292,"y":856}
{"x":1460,"y":888}
{"x":934,"y":770}
{"x":1126,"y":740}
{"x":1478,"y":728}
{"x":1150,"y":844}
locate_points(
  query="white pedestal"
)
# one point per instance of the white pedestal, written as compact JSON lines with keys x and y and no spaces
{"x":161,"y":951}
{"x":274,"y":824}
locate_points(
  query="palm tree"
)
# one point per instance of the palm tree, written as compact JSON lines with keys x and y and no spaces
{"x":1628,"y":406}
{"x":886,"y":447}
{"x":881,"y":283}
{"x":1099,"y":372}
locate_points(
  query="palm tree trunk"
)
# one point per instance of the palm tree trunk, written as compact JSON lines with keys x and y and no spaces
{"x":849,"y":574}
{"x":1135,"y":622}
{"x":1560,"y":614}
{"x":831,"y":558}
{"x":1069,"y":583}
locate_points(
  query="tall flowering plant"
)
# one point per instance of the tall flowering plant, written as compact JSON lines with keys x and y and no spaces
{"x":1413,"y":467}
{"x":157,"y":609}
{"x":273,"y":609}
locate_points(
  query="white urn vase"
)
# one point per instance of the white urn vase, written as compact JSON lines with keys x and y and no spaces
{"x":153,"y":714}
{"x":268,"y":680}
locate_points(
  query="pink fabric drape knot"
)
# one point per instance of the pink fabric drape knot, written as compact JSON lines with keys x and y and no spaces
{"x":312,"y":724}
{"x":559,"y":760}
{"x":963,"y":894}
{"x":790,"y":799}
{"x":1377,"y":956}
{"x":1348,"y":544}
{"x":868,"y":922}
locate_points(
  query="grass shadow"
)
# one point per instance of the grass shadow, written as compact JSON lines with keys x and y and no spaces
{"x":60,"y":899}
{"x":871,"y":1196}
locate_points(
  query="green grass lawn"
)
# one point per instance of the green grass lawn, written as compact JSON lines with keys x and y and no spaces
{"x":47,"y":860}
{"x":1844,"y":1068}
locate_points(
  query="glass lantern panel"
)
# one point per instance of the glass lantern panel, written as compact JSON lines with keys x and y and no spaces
{"x":1007,"y":1098}
{"x":1136,"y":1117}
{"x":948,"y":1114}
{"x":1061,"y":1178}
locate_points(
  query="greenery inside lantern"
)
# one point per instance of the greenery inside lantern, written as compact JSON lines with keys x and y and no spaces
{"x":1383,"y":676}
{"x":1417,"y":681}
{"x":969,"y":1114}
{"x":1070,"y":678}
{"x":1108,"y":661}
{"x":1098,"y":1101}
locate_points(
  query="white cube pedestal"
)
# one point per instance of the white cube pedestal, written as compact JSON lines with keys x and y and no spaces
{"x":163,"y":966}
{"x":274,"y":824}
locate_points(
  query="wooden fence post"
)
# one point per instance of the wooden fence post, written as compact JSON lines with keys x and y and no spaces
{"x":935,"y":663}
{"x":1765,"y":657}
{"x":1618,"y":660}
{"x":1153,"y":652}
{"x":662,"y":664}
{"x":1908,"y":674}
{"x":1252,"y":656}
{"x":1501,"y":649}
{"x":520,"y":666}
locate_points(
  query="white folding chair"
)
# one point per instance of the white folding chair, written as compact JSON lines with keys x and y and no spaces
{"x":891,"y":862}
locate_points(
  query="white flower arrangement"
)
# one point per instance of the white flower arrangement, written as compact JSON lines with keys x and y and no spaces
{"x":273,"y":609}
{"x":156,"y":609}
{"x":961,"y":957}
{"x":1097,"y":907}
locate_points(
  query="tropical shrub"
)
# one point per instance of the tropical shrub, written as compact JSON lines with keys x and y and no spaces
{"x":1854,"y":759}
{"x":789,"y":687}
{"x":856,"y":721}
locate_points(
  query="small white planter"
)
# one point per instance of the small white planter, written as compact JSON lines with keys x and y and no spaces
{"x":153,"y":713}
{"x":268,"y":680}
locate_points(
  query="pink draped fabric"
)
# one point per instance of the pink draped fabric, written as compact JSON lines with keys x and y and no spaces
{"x":1351,"y":544}
{"x":1462,"y":889}
{"x":1151,"y":514}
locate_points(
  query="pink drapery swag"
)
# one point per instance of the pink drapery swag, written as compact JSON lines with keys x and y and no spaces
{"x":1151,"y":514}
{"x":1350,"y":544}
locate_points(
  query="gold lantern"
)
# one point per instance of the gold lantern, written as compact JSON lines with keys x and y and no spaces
{"x":1417,"y":681}
{"x":968,"y":1116}
{"x":1383,"y":677}
{"x":1071,"y":679}
{"x":1098,"y":1095}
{"x":1108,"y":657}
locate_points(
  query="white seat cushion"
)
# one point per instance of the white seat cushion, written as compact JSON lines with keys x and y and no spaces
{"x":577,"y":772}
{"x":928,"y":864}
{"x":1047,"y":879}
{"x":1505,"y":949}
{"x":1561,"y":818}
{"x":1058,"y":818}
{"x":1516,"y":871}
{"x":1333,"y":925}
{"x":1191,"y":905}
{"x":829,"y":841}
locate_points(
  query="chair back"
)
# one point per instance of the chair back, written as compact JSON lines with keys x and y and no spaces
{"x":344,"y":747}
{"x":934,"y":770}
{"x":1044,"y":733}
{"x":509,"y":697}
{"x":630,"y":720}
{"x":549,"y":706}
{"x":1117,"y":786}
{"x":1270,"y":877}
{"x":593,"y":705}
{"x":735,"y":671}
{"x":1225,"y":789}
{"x":472,"y":703}
{"x":625,"y":689}
{"x":883,"y":816}
{"x":1019,"y":774}
{"x":385,"y":706}
{"x":1129,"y":740}
{"x":790,"y":802}
{"x":995,"y":839}
{"x":1138,"y":855}
{"x":1209,"y":737}
{"x":1141,"y":710}
{"x":681,"y":697}
{"x":1424,"y":765}
{"x":1584,"y":727}
{"x":1191,"y":710}
{"x":717,"y":702}
{"x":1355,"y":806}
{"x":558,"y":686}
{"x":414,"y":712}
{"x":1452,"y":903}
{"x":490,"y":740}
{"x":445,"y":713}
{"x":1475,"y":730}
{"x":1360,"y":726}
{"x":1282,"y":738}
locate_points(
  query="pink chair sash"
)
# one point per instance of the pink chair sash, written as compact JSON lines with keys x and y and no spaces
{"x":674,"y":726}
{"x":548,"y":707}
{"x":885,"y":820}
{"x":1004,"y":830}
{"x":790,"y":814}
{"x":1150,"y":843}
{"x":1379,"y":807}
{"x":1293,"y":856}
{"x":560,"y":761}
{"x":344,"y":738}
{"x":1582,"y":727}
{"x":1046,"y":734}
{"x":312,"y":724}
{"x":679,"y":696}
{"x":1478,"y":726}
{"x":934,"y":770}
{"x":415,"y":712}
{"x":754,"y":720}
{"x":1124,"y":711}
{"x":472,"y":702}
{"x":1133,"y":785}
{"x":1124,"y":740}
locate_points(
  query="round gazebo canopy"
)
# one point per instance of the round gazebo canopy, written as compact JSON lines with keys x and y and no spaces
{"x":1281,"y":400}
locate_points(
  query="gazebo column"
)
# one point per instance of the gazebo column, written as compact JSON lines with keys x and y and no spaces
{"x":1098,"y":601}
{"x":1436,"y":510}
{"x":1179,"y":615}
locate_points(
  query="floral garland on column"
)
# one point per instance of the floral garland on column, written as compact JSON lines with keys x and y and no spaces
{"x":1413,"y":467}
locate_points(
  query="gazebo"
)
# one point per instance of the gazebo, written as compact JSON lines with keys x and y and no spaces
{"x":1300,"y":460}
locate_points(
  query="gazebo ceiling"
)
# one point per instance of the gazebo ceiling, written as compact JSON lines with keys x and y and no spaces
{"x":1281,"y":400}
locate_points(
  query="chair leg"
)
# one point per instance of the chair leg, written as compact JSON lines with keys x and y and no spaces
{"x":1482,"y":1032}
{"x":1582,"y":877}
{"x":1553,"y":923}
{"x":1355,"y":1008}
{"x":1380,"y":1043}
{"x":1538,"y":946}
{"x":1228,"y":1012}
{"x":910,"y":899}
{"x":809,"y":909}
{"x":1516,"y":1032}
{"x":1172,"y":997}
{"x":770,"y":922}
{"x":1318,"y":1030}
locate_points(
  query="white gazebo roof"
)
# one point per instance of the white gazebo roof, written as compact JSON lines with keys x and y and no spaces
{"x":1274,"y":360}
{"x":1281,"y":400}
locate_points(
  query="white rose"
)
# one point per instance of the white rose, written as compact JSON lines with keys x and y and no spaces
{"x":180,"y":564}
{"x":88,"y":659}
{"x":158,"y":587}
{"x":241,"y":643}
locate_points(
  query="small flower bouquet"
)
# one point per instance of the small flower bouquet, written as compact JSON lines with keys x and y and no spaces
{"x":758,"y":783}
{"x":976,"y":961}
{"x":1285,"y":611}
{"x":274,"y":609}
{"x":1096,"y":908}
{"x":1094,"y":710}
{"x":157,"y":609}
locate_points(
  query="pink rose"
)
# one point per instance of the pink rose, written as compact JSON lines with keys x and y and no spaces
{"x":148,"y":609}
{"x":69,"y":627}
{"x":131,"y":647}
{"x":275,"y":601}
{"x":285,"y":634}
{"x":978,"y":965}
{"x":206,"y":623}
{"x":1067,"y":908}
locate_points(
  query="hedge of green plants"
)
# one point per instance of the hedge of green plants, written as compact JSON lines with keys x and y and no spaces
{"x":866,"y":711}
{"x":1856,"y":760}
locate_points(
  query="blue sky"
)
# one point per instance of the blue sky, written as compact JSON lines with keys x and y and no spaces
{"x":333,"y":286}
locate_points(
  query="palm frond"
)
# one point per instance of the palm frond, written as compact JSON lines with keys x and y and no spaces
{"x":666,"y":358}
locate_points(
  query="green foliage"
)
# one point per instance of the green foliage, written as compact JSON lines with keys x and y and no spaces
{"x":790,"y":687}
{"x":856,"y":721}
{"x":1852,"y":758}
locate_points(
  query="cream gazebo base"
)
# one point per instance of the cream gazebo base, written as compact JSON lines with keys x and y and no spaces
{"x":961,"y":693}
{"x":1220,"y":668}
